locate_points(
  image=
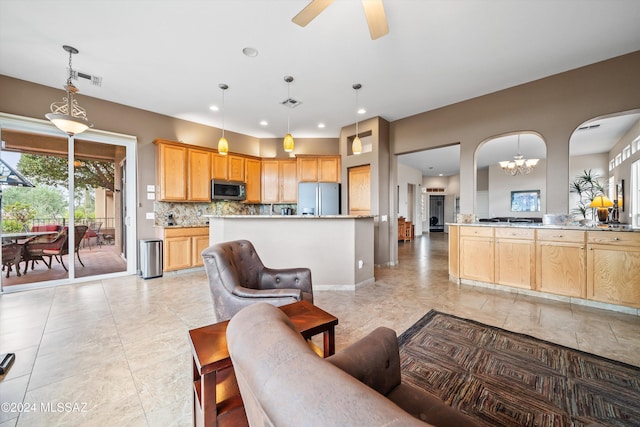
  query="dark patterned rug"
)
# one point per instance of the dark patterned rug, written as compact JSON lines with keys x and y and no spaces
{"x":503,"y":378}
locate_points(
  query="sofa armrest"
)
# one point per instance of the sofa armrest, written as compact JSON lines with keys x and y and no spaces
{"x":296,"y":278}
{"x":243,"y":292}
{"x":374,"y":360}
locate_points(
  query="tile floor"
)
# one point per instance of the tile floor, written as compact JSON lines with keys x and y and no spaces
{"x":115,"y":352}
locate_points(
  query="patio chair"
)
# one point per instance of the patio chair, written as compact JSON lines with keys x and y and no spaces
{"x":93,"y":231}
{"x":11,"y":256}
{"x":56,"y":248}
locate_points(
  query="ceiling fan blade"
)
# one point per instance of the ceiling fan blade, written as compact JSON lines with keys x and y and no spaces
{"x":312,"y":10}
{"x":374,"y":11}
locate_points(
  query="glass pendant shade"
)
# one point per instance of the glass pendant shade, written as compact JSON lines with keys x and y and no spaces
{"x":356,"y":145}
{"x":288,"y":143}
{"x":67,"y":115}
{"x":223,"y":146}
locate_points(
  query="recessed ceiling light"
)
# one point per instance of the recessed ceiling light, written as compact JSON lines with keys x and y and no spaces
{"x":251,"y":52}
{"x":214,"y":108}
{"x":263,"y":123}
{"x":362,"y":111}
{"x":321,"y":125}
{"x":440,"y":174}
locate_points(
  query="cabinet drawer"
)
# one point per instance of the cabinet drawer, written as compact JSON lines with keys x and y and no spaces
{"x":186,"y":231}
{"x":514,"y":233}
{"x":573,"y":236}
{"x":476,"y":231}
{"x":614,"y":237}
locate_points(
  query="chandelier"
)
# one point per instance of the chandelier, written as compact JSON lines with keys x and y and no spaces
{"x":67,"y":115}
{"x":519,"y":165}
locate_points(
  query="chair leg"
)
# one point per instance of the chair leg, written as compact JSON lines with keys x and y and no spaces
{"x":78,"y":254}
{"x":62,"y":262}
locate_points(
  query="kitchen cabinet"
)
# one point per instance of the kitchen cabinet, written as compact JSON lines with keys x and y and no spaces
{"x":253,"y":175}
{"x":227,"y":168}
{"x":477,"y":253}
{"x":561,"y":262}
{"x":171,"y":171}
{"x":183,"y":246}
{"x":454,"y":259}
{"x":279,"y":181}
{"x":613,"y":267}
{"x":515,"y":257}
{"x":198,"y":179}
{"x":318,"y":168}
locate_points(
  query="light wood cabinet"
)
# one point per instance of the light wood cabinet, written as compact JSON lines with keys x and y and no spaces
{"x":561,"y":262}
{"x":454,"y":259}
{"x":171,"y":171}
{"x":227,"y":168}
{"x":253,"y":175}
{"x":279,"y":181}
{"x":477,"y":253}
{"x":613,"y":267}
{"x":219,"y":166}
{"x":318,"y":168}
{"x":199,"y":179}
{"x":515,"y":257}
{"x":183,"y":246}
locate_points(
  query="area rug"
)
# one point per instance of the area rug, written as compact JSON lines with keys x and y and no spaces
{"x":503,"y":378}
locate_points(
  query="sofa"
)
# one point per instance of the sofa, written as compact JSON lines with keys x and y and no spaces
{"x":238,"y":278}
{"x":283,"y":382}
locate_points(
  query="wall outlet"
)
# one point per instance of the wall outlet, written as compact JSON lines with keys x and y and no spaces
{"x":360,"y":264}
{"x":151,"y":215}
{"x":384,"y":218}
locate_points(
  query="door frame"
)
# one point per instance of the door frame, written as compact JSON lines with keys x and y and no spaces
{"x":44,"y":127}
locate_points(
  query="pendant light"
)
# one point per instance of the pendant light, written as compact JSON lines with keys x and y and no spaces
{"x":67,"y":115}
{"x":288,"y":143}
{"x":356,"y":145}
{"x":223,"y":145}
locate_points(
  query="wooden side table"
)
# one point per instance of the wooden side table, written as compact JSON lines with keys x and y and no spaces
{"x":216,"y":397}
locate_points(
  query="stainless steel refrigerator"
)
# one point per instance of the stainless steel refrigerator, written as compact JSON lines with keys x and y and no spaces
{"x":318,"y":198}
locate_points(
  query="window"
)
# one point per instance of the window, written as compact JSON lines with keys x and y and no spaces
{"x":634,"y":193}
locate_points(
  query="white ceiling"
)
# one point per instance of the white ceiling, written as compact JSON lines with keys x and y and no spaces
{"x":169,"y":56}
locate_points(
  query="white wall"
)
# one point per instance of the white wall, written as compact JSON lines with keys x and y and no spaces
{"x":451,"y":184}
{"x":598,"y":163}
{"x":501,"y":186}
{"x":406,"y":176}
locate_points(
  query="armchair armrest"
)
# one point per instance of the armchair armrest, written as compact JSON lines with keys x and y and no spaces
{"x":373,"y":360}
{"x":243,"y":292}
{"x":296,"y":278}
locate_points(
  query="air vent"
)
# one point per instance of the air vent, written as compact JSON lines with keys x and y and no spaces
{"x":588,"y":127}
{"x":291,"y":103}
{"x":95,"y":80}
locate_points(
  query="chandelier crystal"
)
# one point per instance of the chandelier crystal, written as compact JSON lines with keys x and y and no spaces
{"x":519,"y":165}
{"x":67,"y":115}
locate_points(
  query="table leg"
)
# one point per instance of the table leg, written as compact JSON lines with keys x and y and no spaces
{"x":329,"y":342}
{"x":209,"y":401}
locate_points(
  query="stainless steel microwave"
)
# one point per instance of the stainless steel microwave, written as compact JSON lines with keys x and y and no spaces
{"x":228,"y":190}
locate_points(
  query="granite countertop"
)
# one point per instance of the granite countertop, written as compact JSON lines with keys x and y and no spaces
{"x":181,"y":226}
{"x":290,"y":216}
{"x":604,"y":227}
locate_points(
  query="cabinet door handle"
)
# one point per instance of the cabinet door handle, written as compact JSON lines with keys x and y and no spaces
{"x":616,"y":238}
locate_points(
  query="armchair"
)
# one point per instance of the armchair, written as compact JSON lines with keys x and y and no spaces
{"x":237,"y":278}
{"x":59,"y":246}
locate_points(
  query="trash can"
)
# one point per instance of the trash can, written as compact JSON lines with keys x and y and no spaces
{"x":151,"y":258}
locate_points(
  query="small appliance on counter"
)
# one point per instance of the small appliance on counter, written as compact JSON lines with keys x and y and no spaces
{"x":170,"y":219}
{"x":286,"y":211}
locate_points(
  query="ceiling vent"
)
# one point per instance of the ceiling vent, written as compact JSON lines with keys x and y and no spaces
{"x":291,"y":103}
{"x":95,"y":80}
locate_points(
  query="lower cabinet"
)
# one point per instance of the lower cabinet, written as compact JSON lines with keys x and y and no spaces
{"x":515,"y":257}
{"x":183,"y":246}
{"x":561,"y":262}
{"x":613,"y":267}
{"x":476,"y":253}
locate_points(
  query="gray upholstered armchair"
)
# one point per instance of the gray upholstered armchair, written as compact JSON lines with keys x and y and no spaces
{"x":237,"y":278}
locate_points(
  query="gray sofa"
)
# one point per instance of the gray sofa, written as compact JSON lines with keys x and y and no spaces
{"x":284,"y":383}
{"x":238,"y":278}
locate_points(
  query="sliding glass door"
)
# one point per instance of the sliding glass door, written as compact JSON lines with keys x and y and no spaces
{"x":74,"y":222}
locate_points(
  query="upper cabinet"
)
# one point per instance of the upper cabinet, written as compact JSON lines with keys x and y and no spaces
{"x":171,"y":171}
{"x":227,"y":168}
{"x":198,"y":169}
{"x":253,"y":175}
{"x":279,"y":181}
{"x":219,"y":166}
{"x":318,"y":168}
{"x":236,"y":168}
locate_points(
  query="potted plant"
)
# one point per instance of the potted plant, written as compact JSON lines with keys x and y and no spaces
{"x":587,"y":186}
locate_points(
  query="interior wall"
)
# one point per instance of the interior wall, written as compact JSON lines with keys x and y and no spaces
{"x":406,"y":176}
{"x":272,"y":147}
{"x":501,"y":186}
{"x":553,"y":106}
{"x":597,"y":163}
{"x":623,"y":170}
{"x":482,"y":179}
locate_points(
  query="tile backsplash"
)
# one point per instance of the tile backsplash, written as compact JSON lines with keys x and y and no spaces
{"x":189,"y":214}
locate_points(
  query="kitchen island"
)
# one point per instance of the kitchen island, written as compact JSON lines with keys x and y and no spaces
{"x":594,"y":266}
{"x":337,"y":248}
